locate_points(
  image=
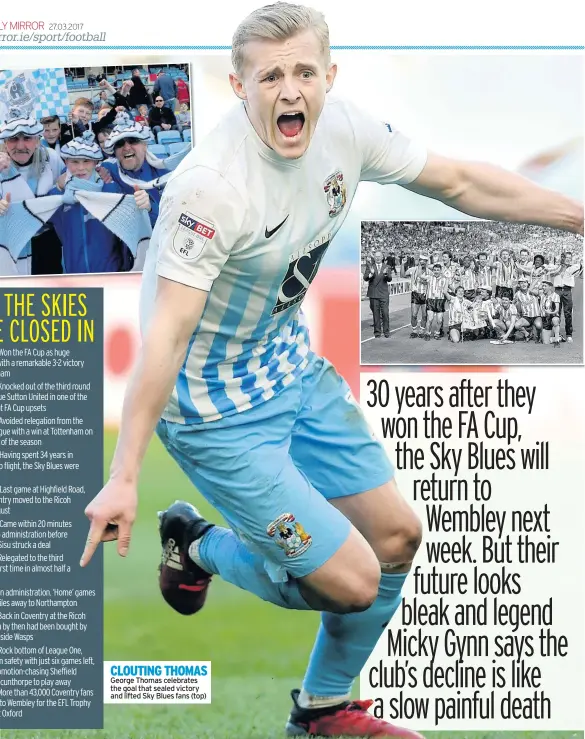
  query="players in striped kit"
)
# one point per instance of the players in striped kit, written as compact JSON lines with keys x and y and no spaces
{"x":550,"y":309}
{"x":527,"y":304}
{"x":506,"y":274}
{"x":488,"y":261}
{"x":458,"y":306}
{"x":419,"y":278}
{"x":505,"y":317}
{"x":483,"y":270}
{"x":436,"y":290}
{"x":466,"y":277}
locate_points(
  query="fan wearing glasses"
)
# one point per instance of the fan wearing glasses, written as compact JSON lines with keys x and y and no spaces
{"x":131,"y":163}
{"x":161,"y":118}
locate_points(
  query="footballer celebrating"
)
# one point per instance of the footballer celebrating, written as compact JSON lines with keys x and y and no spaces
{"x":264,"y":428}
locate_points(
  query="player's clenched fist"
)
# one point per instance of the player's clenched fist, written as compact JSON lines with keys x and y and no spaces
{"x":4,"y":204}
{"x":111,"y":514}
{"x":141,"y":199}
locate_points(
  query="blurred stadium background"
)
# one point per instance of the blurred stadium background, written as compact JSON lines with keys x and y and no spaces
{"x":510,"y":109}
{"x":84,"y":82}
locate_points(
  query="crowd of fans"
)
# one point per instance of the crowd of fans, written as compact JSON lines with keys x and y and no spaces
{"x":167,"y":108}
{"x":484,"y":280}
{"x":109,"y":144}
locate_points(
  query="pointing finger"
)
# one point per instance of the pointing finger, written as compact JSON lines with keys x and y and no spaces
{"x":94,"y":538}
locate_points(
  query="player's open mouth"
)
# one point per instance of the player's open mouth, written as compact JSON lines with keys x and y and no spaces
{"x":290,"y":124}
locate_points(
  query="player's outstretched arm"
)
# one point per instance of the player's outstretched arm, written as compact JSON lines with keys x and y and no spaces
{"x":175,"y":315}
{"x":487,"y":191}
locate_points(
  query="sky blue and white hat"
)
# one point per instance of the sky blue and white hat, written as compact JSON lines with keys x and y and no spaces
{"x":126,"y":128}
{"x":83,"y":147}
{"x":26,"y":126}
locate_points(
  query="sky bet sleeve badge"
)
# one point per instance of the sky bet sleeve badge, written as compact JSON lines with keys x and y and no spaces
{"x":335,"y":192}
{"x":191,"y":235}
{"x":289,"y":535}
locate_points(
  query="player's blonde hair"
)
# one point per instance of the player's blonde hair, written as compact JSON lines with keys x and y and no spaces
{"x":279,"y":21}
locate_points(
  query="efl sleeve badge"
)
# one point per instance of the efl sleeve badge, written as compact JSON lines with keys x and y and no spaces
{"x":191,"y":235}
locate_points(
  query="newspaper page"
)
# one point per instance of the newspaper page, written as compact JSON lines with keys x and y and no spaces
{"x":291,"y":371}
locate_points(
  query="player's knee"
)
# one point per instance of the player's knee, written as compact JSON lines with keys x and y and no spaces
{"x":556,"y":321}
{"x":346,"y":583}
{"x":401,"y":545}
{"x":360,"y":591}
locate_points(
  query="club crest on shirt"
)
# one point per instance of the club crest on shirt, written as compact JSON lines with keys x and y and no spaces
{"x":335,"y":192}
{"x":190,"y":236}
{"x":289,"y":535}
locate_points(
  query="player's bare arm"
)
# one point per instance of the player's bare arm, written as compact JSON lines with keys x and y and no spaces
{"x":176,"y":313}
{"x":487,"y":191}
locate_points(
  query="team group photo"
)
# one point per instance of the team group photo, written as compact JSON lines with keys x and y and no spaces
{"x":85,"y":153}
{"x":473,"y":292}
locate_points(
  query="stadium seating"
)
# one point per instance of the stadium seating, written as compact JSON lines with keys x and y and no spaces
{"x":187,"y":134}
{"x":158,"y":150}
{"x":168,"y":137}
{"x":174,"y":148}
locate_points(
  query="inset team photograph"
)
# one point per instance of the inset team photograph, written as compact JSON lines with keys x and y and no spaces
{"x":470,"y":292}
{"x":85,"y":153}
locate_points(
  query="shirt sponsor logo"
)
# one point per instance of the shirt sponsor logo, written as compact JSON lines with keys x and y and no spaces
{"x":191,"y":235}
{"x":302,"y":268}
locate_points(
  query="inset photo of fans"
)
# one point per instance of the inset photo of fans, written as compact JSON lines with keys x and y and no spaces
{"x":85,"y":153}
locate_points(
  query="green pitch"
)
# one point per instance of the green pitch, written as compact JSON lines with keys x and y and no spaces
{"x":258,"y":652}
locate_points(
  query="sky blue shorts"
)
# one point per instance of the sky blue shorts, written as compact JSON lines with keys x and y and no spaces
{"x":272,"y":470}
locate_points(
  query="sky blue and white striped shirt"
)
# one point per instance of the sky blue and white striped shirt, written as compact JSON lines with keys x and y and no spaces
{"x":250,"y":227}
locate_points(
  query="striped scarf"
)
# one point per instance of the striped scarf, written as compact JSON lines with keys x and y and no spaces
{"x":169,"y":164}
{"x":117,"y":212}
